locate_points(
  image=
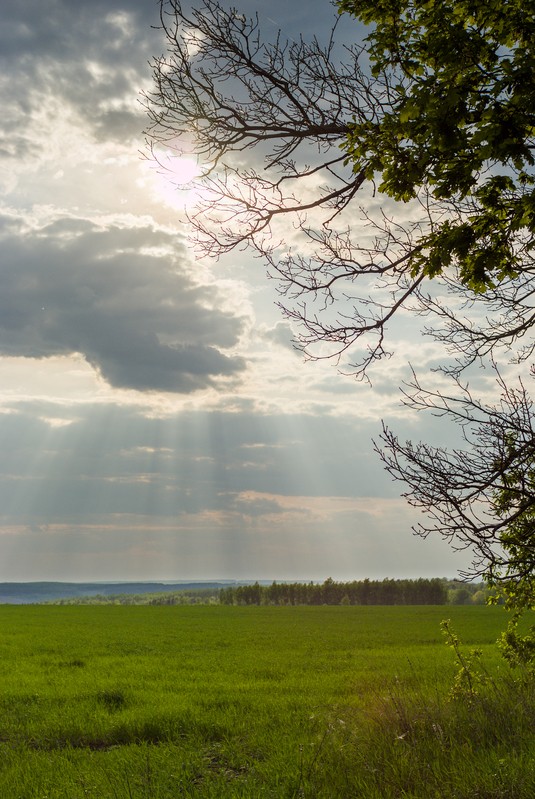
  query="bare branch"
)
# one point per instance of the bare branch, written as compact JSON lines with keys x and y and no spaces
{"x":461,"y":490}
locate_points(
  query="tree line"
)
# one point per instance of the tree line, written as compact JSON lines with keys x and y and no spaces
{"x":357,"y":592}
{"x":438,"y":591}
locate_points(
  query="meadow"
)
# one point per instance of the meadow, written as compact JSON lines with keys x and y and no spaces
{"x":114,"y":702}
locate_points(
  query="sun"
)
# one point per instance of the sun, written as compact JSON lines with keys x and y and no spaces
{"x":183,"y":170}
{"x":172,"y":179}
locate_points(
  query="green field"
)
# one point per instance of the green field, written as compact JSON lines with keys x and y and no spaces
{"x":207,"y":701}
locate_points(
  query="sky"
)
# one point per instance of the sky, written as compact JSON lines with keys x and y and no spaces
{"x":156,"y":422}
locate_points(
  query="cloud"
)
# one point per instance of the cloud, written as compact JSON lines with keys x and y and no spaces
{"x":124,"y":298}
{"x":89,"y":55}
{"x":281,"y":334}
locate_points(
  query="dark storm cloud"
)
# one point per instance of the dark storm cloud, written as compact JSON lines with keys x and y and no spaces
{"x":136,"y":316}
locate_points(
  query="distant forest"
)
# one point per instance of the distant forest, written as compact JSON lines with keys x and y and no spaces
{"x":436,"y":591}
{"x":361,"y":592}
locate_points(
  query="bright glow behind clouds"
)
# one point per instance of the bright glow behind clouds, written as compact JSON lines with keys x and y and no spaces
{"x":155,"y":421}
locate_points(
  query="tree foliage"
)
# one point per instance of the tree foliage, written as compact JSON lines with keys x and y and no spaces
{"x":459,"y":125}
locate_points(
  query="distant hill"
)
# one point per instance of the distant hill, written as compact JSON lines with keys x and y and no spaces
{"x":34,"y":593}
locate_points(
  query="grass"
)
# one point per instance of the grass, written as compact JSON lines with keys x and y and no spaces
{"x":257,"y":702}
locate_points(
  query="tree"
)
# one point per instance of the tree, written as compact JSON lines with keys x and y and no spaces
{"x":445,"y":122}
{"x":435,"y":113}
{"x":460,"y":132}
{"x":480,"y":496}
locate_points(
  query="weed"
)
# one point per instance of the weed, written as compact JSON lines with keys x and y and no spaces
{"x":470,"y":676}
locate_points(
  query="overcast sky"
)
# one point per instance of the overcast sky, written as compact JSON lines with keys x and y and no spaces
{"x":155,"y":422}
